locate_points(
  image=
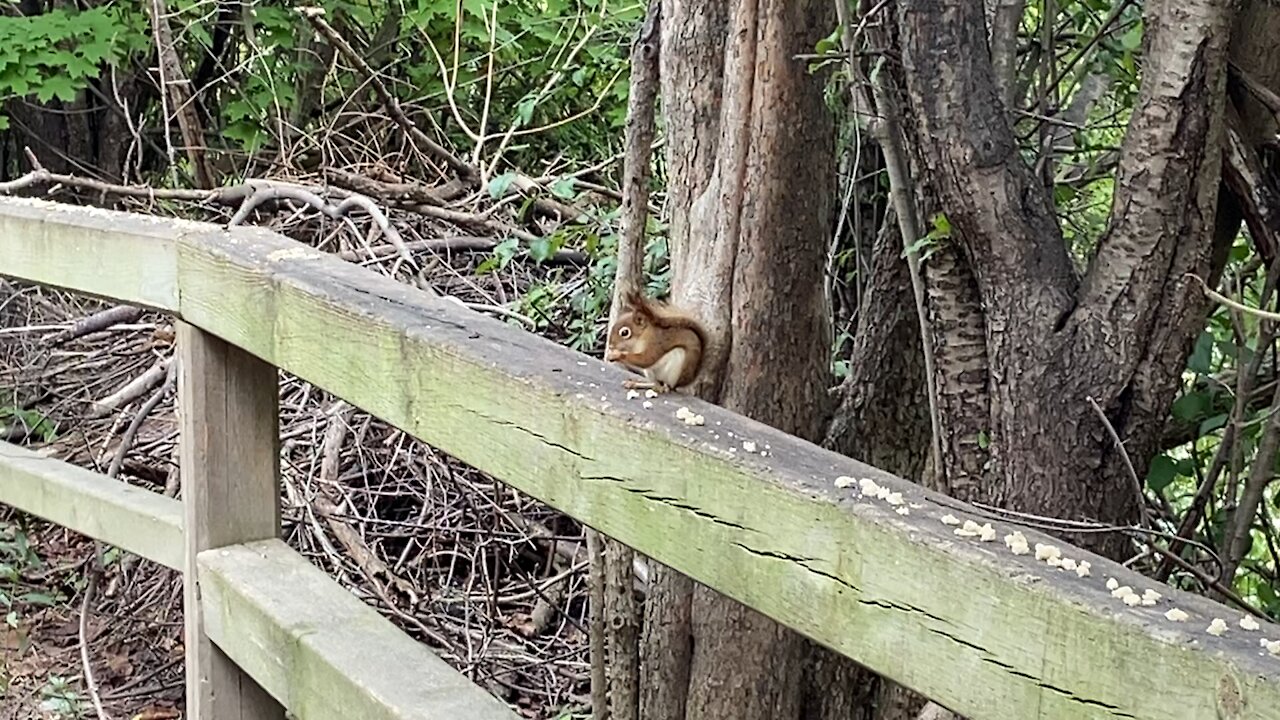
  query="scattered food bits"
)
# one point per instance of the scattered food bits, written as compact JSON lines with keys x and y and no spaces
{"x":883,"y":492}
{"x":1217,"y":627}
{"x":1150,"y":597}
{"x":965,"y":532}
{"x":748,"y":446}
{"x":1112,"y":583}
{"x":950,"y":519}
{"x":764,"y":453}
{"x":632,"y":394}
{"x":902,"y":510}
{"x":893,"y":498}
{"x":1068,"y":564}
{"x":1248,"y":623}
{"x":1132,"y":599}
{"x":1123,"y":592}
{"x":1020,"y":549}
{"x":651,"y":393}
{"x":1082,"y":568}
{"x":1054,"y":562}
{"x":986,"y":533}
{"x":1176,"y":615}
{"x":1015,"y":538}
{"x":845,"y":481}
{"x":915,"y":506}
{"x":688,"y":416}
{"x":1044,"y":552}
{"x":646,"y":405}
{"x":1272,"y":646}
{"x":868,"y":486}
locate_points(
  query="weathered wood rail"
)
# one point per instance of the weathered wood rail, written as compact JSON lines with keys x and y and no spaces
{"x":752,"y":512}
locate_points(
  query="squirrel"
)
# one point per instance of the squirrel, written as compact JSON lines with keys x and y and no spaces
{"x":663,"y":343}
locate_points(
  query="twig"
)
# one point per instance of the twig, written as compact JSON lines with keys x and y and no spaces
{"x":1135,"y":481}
{"x":266,"y":190}
{"x":98,"y":321}
{"x":1224,"y":300}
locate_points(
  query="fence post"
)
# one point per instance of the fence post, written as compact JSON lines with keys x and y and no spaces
{"x":228,"y":408}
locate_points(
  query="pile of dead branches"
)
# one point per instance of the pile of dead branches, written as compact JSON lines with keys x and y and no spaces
{"x":490,"y":579}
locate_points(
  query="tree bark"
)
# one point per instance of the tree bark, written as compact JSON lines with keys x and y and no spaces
{"x":1051,"y":340}
{"x":748,"y":258}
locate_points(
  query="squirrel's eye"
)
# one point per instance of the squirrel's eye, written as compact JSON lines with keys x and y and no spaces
{"x":624,"y":332}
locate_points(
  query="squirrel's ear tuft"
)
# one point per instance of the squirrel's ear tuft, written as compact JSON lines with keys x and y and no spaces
{"x":635,"y":300}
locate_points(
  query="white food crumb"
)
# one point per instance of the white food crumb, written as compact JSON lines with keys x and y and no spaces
{"x":902,"y":510}
{"x":883,"y":492}
{"x":1150,"y":597}
{"x":1124,"y":591}
{"x":868,"y":486}
{"x":764,"y":453}
{"x":845,"y":481}
{"x":1020,"y":548}
{"x":1132,"y":599}
{"x":1176,"y":615}
{"x":1217,"y":627}
{"x":651,"y":393}
{"x":1112,"y":583}
{"x":986,"y":533}
{"x":646,"y":405}
{"x":632,"y":394}
{"x":965,"y":532}
{"x":1272,"y":646}
{"x":893,"y":498}
{"x":1044,"y":552}
{"x":950,"y":519}
{"x":692,"y":419}
{"x":748,"y":446}
{"x":1015,"y":538}
{"x":1068,"y":564}
{"x":1053,"y":562}
{"x":1248,"y":623}
{"x":1082,"y":568}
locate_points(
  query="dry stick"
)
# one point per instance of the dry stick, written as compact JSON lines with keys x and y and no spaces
{"x":131,"y":391}
{"x":888,"y":132}
{"x":95,"y":323}
{"x":266,"y":190}
{"x":614,"y":584}
{"x":95,"y":568}
{"x":1135,"y":482}
{"x":1260,"y":474}
{"x":176,"y":87}
{"x":1226,"y":447}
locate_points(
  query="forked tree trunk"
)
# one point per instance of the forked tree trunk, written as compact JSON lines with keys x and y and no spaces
{"x":750,"y":149}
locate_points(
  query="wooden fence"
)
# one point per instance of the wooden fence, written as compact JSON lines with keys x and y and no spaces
{"x":869,"y":565}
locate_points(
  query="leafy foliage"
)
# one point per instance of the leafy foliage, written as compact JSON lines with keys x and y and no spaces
{"x":57,"y":54}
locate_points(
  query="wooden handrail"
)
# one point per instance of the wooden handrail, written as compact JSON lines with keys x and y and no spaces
{"x":761,"y":516}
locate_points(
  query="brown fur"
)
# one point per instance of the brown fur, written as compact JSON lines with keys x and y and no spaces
{"x":654,"y":330}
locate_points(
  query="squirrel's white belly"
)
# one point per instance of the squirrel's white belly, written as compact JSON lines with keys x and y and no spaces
{"x":667,"y":369}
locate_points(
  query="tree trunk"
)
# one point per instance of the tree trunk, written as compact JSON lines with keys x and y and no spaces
{"x":750,"y":149}
{"x":1050,"y":340}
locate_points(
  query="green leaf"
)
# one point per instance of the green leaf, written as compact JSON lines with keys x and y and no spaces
{"x":984,"y":440}
{"x":1202,"y":356}
{"x":499,"y":185}
{"x":37,"y":598}
{"x":1191,"y":406}
{"x":1161,"y":473}
{"x":563,"y":188}
{"x":1213,"y":423}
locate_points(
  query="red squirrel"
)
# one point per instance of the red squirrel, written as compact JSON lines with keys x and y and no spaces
{"x":663,"y":343}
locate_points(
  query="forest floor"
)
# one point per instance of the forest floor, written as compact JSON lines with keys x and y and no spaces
{"x":491,"y":580}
